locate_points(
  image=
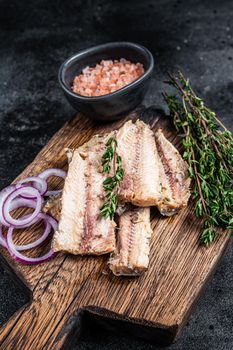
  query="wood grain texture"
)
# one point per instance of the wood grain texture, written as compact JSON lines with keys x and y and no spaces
{"x":157,"y":303}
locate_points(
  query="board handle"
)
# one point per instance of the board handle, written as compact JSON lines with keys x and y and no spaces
{"x":95,"y":317}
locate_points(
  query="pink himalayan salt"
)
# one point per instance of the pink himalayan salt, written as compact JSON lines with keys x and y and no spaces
{"x":106,"y":77}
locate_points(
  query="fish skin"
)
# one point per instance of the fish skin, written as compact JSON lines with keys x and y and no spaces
{"x":131,"y":256}
{"x":81,"y":229}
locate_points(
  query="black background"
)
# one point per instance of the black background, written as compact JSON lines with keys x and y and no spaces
{"x":35,"y":38}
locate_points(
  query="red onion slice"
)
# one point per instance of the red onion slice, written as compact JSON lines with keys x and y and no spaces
{"x":6,"y":191}
{"x":22,"y":258}
{"x":3,"y":194}
{"x":2,"y":238}
{"x":8,"y":203}
{"x":40,"y":240}
{"x":52,"y":172}
{"x":37,"y":182}
{"x":27,"y":193}
{"x":14,"y":249}
{"x":50,"y":222}
{"x":28,"y":246}
{"x":23,"y":203}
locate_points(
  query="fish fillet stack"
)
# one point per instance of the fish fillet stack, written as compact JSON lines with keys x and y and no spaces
{"x":155,"y":175}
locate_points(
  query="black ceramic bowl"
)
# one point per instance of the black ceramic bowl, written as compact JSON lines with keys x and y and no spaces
{"x":112,"y":106}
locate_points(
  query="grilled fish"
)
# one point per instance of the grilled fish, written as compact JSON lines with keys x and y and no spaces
{"x":131,"y":257}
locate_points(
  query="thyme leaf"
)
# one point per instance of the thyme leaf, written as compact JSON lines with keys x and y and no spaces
{"x":108,"y":155}
{"x":110,"y":183}
{"x":208,"y":150}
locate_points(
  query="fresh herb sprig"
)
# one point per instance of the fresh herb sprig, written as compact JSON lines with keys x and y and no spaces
{"x":109,"y":154}
{"x":208,"y":149}
{"x":110,"y":183}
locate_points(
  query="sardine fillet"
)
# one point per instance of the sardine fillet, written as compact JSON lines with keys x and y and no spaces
{"x":131,"y":257}
{"x":81,"y":229}
{"x":141,"y":183}
{"x":155,"y":173}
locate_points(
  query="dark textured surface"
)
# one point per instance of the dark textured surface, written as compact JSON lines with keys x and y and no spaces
{"x":36,"y":36}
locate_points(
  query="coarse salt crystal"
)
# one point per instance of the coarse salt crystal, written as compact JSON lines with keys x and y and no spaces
{"x":106,"y":77}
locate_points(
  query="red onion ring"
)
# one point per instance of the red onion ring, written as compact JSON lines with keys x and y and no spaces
{"x":40,"y":240}
{"x":3,"y":194}
{"x":8,"y":203}
{"x":52,"y":172}
{"x":36,"y":243}
{"x":6,"y":191}
{"x":2,"y":238}
{"x":50,"y":222}
{"x":14,"y":249}
{"x":22,"y":258}
{"x":23,"y":203}
{"x":38,"y":183}
{"x":27,"y":193}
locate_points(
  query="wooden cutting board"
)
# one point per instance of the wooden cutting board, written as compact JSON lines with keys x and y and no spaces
{"x":154,"y":306}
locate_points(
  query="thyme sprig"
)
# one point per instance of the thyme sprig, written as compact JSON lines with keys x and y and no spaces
{"x":110,"y":183}
{"x":208,"y":150}
{"x":109,"y":154}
